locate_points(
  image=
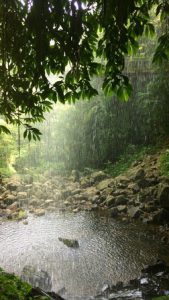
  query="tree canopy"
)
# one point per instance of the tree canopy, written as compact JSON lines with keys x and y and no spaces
{"x":50,"y":49}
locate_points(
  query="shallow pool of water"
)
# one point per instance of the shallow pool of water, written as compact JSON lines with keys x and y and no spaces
{"x":109,"y":251}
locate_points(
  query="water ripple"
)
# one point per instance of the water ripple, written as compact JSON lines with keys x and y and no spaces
{"x":109,"y":251}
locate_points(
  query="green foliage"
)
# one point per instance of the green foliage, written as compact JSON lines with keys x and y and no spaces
{"x":161,"y":298}
{"x":50,"y":50}
{"x":131,"y":155}
{"x":8,"y":150}
{"x":12,"y":288}
{"x":164,"y":163}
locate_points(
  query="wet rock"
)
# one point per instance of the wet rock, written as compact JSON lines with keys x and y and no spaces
{"x":122,"y":208}
{"x":49,"y":201}
{"x":15,"y":215}
{"x":76,"y":191}
{"x":134,"y":212}
{"x":121,"y":200}
{"x":13,"y":186}
{"x":110,"y":200}
{"x":134,"y":294}
{"x":8,"y":213}
{"x":13,"y":206}
{"x":160,"y":266}
{"x":34,"y":202}
{"x":95,"y":199}
{"x":80,"y":197}
{"x":143,"y":183}
{"x":57,"y":195}
{"x":39,"y":212}
{"x":149,"y":208}
{"x":22,"y":195}
{"x":66,"y":203}
{"x":98,"y":176}
{"x":72,"y":243}
{"x":122,"y":179}
{"x":76,"y":210}
{"x":37,"y":278}
{"x":25,"y":222}
{"x":139,"y":174}
{"x":94,"y":206}
{"x":10,"y":199}
{"x":134,"y":187}
{"x":163,"y":195}
{"x":66,"y":193}
{"x":105,"y":184}
{"x":161,"y":216}
{"x":105,"y":288}
{"x":114,"y":212}
{"x":83,"y":202}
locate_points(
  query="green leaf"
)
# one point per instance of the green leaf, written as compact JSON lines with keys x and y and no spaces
{"x":4,"y":129}
{"x":25,"y":134}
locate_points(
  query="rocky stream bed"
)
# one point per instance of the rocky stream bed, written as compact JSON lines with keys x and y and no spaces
{"x":141,"y":194}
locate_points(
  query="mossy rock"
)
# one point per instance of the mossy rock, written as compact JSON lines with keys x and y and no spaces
{"x":69,"y":242}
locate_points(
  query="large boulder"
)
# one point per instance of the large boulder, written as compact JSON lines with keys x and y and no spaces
{"x":22,"y":195}
{"x":97,"y":176}
{"x":140,"y":173}
{"x":102,"y":185}
{"x":163,"y":195}
{"x":13,"y":185}
{"x":110,"y":201}
{"x":121,"y":200}
{"x":39,"y":212}
{"x":38,"y":278}
{"x":134,"y":212}
{"x":9,"y":199}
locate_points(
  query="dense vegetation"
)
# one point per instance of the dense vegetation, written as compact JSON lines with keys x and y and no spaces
{"x":72,"y":41}
{"x":12,"y":288}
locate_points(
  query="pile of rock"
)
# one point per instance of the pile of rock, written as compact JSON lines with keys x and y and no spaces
{"x":139,"y":194}
{"x":142,"y":193}
{"x":153,"y":282}
{"x":12,"y":199}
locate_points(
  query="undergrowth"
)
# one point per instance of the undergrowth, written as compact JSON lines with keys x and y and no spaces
{"x":164,"y":163}
{"x":13,"y":288}
{"x":161,"y":298}
{"x":131,"y":155}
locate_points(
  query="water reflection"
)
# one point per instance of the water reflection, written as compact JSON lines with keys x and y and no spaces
{"x":109,"y":251}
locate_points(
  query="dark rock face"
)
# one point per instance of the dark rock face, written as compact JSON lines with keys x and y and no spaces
{"x":121,"y":200}
{"x":163,"y":195}
{"x":161,"y":216}
{"x":35,"y":292}
{"x":114,"y":212}
{"x":153,"y":282}
{"x":37,"y":278}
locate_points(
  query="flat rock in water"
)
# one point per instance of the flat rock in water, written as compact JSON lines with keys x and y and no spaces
{"x":69,"y":242}
{"x":39,"y":212}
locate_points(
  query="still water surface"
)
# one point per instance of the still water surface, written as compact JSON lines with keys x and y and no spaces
{"x":109,"y":251}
